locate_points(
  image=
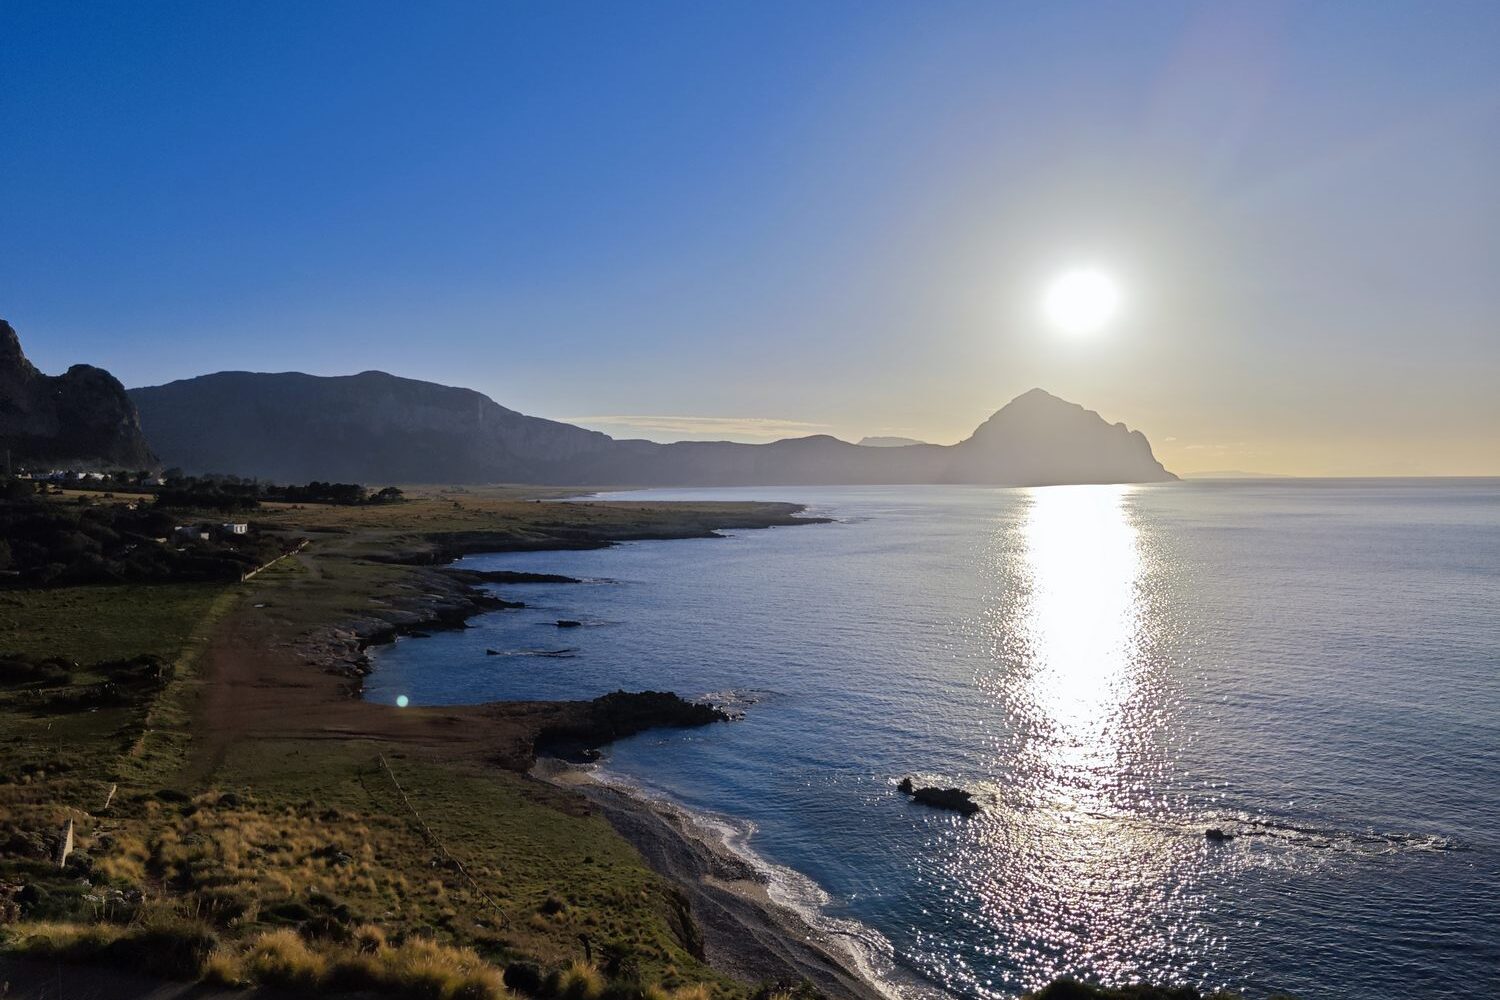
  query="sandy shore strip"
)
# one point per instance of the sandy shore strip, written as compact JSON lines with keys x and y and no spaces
{"x":747,"y":934}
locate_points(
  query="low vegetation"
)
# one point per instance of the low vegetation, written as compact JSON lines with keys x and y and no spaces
{"x":230,"y":493}
{"x":46,"y":542}
{"x":246,"y":888}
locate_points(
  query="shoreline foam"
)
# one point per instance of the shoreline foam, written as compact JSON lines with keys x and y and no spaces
{"x":759,"y":920}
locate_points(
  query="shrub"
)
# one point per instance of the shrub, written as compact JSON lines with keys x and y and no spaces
{"x":224,"y":968}
{"x":281,"y":958}
{"x":481,"y":984}
{"x":172,"y":949}
{"x":579,"y":981}
{"x":75,"y":942}
{"x":418,"y":968}
{"x":524,"y":976}
{"x":368,"y":939}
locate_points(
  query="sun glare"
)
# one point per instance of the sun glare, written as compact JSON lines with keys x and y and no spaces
{"x":1081,"y":301}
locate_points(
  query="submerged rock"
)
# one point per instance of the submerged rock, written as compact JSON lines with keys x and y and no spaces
{"x":954,"y":799}
{"x":1216,"y":835}
{"x":567,"y":623}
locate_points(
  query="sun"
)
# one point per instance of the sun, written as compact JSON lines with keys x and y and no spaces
{"x":1081,"y":301}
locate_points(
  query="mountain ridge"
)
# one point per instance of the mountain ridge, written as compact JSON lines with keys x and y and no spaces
{"x":377,"y":427}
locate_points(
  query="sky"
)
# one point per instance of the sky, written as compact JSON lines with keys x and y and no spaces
{"x":758,"y":220}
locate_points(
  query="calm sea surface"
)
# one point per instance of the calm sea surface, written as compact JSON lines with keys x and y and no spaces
{"x":1311,"y":666}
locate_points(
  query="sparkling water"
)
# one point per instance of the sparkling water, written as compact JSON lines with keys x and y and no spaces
{"x":1311,"y":667}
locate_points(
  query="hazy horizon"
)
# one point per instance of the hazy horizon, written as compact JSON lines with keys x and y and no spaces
{"x":671,"y":221}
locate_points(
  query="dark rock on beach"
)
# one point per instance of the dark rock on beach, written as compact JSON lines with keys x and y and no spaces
{"x":954,"y":799}
{"x":575,"y":754}
{"x":514,"y":576}
{"x":610,"y":717}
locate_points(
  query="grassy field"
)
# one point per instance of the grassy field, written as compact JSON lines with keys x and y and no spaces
{"x":295,"y":861}
{"x":89,"y":624}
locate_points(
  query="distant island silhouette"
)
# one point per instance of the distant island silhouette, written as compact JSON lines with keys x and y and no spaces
{"x":376,"y":427}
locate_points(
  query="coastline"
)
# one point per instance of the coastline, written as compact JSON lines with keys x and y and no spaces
{"x":263,"y":722}
{"x":747,"y":932}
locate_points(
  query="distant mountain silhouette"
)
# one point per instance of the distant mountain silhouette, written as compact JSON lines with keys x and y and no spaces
{"x":377,"y":428}
{"x":879,"y":441}
{"x":81,"y":418}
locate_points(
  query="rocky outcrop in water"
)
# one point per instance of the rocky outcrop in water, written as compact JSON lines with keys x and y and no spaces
{"x":82,"y":418}
{"x":590,"y":725}
{"x":954,"y":799}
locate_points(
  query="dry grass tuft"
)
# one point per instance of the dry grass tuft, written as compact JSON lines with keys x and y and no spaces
{"x":224,"y":968}
{"x":281,"y":958}
{"x":580,"y":981}
{"x":64,"y":940}
{"x":368,"y":939}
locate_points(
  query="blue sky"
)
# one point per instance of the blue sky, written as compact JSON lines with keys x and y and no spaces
{"x":760,"y":219}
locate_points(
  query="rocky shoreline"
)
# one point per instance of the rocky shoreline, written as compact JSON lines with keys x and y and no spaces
{"x":446,"y":601}
{"x":745,"y":932}
{"x":450,"y":596}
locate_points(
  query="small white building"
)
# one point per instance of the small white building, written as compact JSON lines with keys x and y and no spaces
{"x":234,"y":527}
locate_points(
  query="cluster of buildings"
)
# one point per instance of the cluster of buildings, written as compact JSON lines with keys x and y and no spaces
{"x":208,"y":532}
{"x":73,"y":476}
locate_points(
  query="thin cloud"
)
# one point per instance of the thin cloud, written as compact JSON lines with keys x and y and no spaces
{"x":763,"y":428}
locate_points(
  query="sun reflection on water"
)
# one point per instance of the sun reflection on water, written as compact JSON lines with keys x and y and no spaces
{"x":1080,"y":627}
{"x":1076,"y":854}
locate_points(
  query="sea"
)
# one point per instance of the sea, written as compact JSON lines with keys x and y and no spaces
{"x":1311,"y":667}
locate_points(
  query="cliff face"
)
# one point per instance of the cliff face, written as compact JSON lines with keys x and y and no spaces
{"x":377,"y":428}
{"x":82,"y":418}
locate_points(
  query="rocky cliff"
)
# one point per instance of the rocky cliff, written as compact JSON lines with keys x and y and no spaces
{"x":377,"y":428}
{"x":82,"y":418}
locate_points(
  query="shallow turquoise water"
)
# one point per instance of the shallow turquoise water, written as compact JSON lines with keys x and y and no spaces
{"x":1313,"y":666}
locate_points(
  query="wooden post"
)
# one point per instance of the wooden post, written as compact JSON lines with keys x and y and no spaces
{"x":109,"y":798}
{"x":66,"y":847}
